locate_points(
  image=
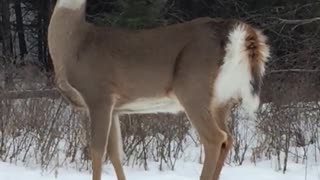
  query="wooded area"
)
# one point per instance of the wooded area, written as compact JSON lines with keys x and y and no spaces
{"x":292,"y":27}
{"x":292,"y":83}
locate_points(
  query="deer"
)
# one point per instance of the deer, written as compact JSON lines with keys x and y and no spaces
{"x":202,"y":67}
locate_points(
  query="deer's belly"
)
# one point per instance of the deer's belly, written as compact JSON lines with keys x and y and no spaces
{"x":151,"y":105}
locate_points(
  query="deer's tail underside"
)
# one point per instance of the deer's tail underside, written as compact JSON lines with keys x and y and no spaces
{"x":70,"y":94}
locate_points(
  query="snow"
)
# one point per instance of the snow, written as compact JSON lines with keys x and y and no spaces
{"x":187,"y":167}
{"x":184,"y":171}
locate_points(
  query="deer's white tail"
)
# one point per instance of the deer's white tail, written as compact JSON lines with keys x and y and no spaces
{"x":71,"y":4}
{"x":240,"y":75}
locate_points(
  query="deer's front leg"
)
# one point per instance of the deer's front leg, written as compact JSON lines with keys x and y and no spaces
{"x":100,"y":116}
{"x":115,"y":149}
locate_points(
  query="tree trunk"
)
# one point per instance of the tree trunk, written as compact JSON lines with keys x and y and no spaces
{"x":43,"y":22}
{"x":7,"y":44}
{"x":6,"y":28}
{"x":20,"y":28}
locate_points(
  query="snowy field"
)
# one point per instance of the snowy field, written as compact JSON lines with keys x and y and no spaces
{"x":184,"y":171}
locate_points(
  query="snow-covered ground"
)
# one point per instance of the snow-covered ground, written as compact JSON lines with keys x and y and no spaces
{"x":186,"y":168}
{"x":184,"y":171}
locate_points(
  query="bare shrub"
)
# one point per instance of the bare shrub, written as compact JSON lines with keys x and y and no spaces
{"x":243,"y":131}
{"x":154,"y":137}
{"x":290,"y":126}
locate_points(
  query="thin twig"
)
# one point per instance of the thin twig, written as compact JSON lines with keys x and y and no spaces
{"x":299,"y":21}
{"x":294,"y":70}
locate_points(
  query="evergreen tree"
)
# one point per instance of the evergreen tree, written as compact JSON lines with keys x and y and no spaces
{"x":133,"y":14}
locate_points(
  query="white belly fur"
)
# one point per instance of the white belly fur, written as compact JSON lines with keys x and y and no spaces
{"x":151,"y":105}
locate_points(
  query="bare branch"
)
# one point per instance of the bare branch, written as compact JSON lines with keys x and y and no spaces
{"x":299,"y":21}
{"x":294,"y":70}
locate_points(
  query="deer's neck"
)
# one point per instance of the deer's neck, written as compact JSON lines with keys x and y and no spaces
{"x":71,"y":11}
{"x":68,"y":18}
{"x":67,"y":25}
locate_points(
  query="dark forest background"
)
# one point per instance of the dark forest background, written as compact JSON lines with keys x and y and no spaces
{"x":292,"y":27}
{"x":30,"y":104}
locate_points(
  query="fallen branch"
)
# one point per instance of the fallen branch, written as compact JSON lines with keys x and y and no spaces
{"x":52,"y":94}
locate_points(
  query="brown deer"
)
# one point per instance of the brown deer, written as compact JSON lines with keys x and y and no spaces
{"x":202,"y":67}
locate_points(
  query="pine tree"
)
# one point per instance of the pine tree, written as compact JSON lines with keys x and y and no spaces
{"x":140,"y":13}
{"x":133,"y":14}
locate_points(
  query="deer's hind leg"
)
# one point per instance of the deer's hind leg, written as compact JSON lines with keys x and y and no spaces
{"x":193,"y":86}
{"x":70,"y":94}
{"x":212,"y":136}
{"x":226,"y":146}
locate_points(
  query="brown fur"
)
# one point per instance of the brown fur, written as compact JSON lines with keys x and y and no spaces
{"x":101,"y":69}
{"x":254,"y":49}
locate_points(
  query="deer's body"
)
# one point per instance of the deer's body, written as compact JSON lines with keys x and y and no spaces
{"x":198,"y":67}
